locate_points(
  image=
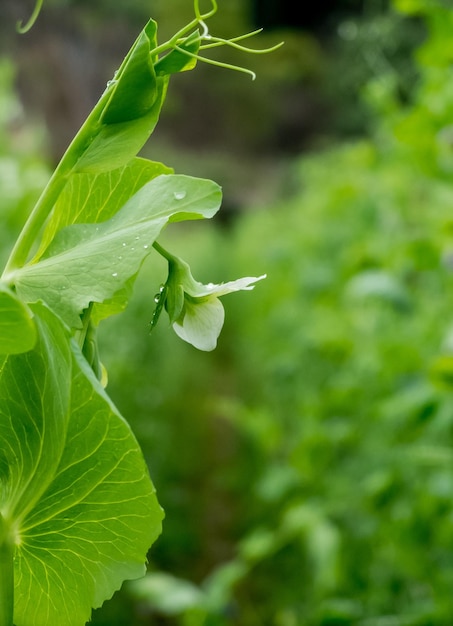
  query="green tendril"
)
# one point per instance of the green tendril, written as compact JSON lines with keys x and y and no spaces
{"x":210,"y":41}
{"x":228,"y":66}
{"x":181,"y":35}
{"x":34,"y":16}
{"x":201,"y":18}
{"x":204,"y":16}
{"x":219,"y":41}
{"x":216,"y":44}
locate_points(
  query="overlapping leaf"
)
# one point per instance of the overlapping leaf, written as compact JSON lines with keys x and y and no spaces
{"x":91,"y":262}
{"x":17,"y":328}
{"x":178,"y":60}
{"x":90,"y":198}
{"x":128,"y":111}
{"x":34,"y":408}
{"x":133,"y":88}
{"x":75,"y":488}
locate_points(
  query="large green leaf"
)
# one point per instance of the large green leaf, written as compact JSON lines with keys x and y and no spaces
{"x":17,"y":328}
{"x":75,"y":489}
{"x":91,"y":262}
{"x":90,"y":198}
{"x":34,"y":409}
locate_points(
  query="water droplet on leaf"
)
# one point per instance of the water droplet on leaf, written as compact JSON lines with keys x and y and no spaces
{"x":115,"y":274}
{"x":179,"y":195}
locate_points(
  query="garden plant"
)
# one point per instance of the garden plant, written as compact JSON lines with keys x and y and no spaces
{"x":78,"y":510}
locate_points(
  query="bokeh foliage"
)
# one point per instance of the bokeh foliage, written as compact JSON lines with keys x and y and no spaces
{"x":23,"y":171}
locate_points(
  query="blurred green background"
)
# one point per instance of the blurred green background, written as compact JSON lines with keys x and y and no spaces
{"x":305,"y":466}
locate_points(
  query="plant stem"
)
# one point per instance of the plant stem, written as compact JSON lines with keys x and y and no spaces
{"x":6,"y":575}
{"x":34,"y":223}
{"x":199,"y":18}
{"x":34,"y":16}
{"x":163,"y":252}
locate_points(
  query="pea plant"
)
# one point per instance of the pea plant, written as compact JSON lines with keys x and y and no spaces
{"x":78,"y":510}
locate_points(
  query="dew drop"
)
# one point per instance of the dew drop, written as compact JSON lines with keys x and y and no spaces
{"x":124,"y":244}
{"x":179,"y":195}
{"x":157,"y":298}
{"x":115,"y":274}
{"x":146,"y":246}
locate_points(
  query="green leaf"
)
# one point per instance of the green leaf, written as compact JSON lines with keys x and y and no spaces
{"x":76,"y":490}
{"x":134,"y":88}
{"x":114,"y":145}
{"x":127,"y":112}
{"x":131,"y":112}
{"x":379,"y":286}
{"x":176,"y":61}
{"x":167,"y":594}
{"x":92,"y":262}
{"x":17,"y":328}
{"x":116,"y":304}
{"x":90,"y":198}
{"x":33,"y":416}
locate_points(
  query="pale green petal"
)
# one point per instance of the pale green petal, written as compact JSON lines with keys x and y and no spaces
{"x":211,"y":289}
{"x":200,"y":319}
{"x":201,"y":324}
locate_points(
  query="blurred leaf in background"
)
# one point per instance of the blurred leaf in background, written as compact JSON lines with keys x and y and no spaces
{"x":23,"y":170}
